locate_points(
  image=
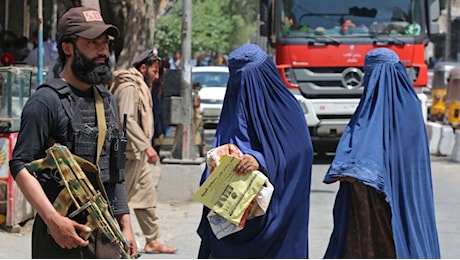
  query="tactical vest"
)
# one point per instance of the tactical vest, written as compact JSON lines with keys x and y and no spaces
{"x":82,"y":131}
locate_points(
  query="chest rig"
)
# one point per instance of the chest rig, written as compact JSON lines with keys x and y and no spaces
{"x":82,"y":130}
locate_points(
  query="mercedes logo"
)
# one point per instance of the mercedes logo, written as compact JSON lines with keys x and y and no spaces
{"x":352,"y":78}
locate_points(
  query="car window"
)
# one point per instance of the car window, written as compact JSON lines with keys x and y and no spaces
{"x":210,"y":79}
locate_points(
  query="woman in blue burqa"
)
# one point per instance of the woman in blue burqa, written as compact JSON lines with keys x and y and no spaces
{"x":265,"y":121}
{"x":384,"y":207}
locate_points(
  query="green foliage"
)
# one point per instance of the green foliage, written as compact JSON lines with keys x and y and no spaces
{"x":211,"y":27}
{"x":167,"y":33}
{"x":217,"y":26}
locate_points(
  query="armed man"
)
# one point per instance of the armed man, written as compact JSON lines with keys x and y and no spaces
{"x":78,"y":112}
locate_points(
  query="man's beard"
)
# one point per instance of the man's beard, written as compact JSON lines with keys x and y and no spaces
{"x":88,"y":71}
{"x":148,"y":81}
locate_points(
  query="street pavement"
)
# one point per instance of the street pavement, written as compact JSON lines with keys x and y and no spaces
{"x":179,"y":219}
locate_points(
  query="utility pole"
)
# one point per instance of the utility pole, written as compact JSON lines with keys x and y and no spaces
{"x":449,"y":30}
{"x":184,"y":148}
{"x":40,"y":43}
{"x":183,"y":174}
{"x":54,"y":23}
{"x":186,"y":89}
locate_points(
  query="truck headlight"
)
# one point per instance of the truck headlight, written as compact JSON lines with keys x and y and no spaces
{"x":289,"y":72}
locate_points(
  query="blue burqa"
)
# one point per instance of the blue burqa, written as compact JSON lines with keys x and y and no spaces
{"x":263,"y":118}
{"x":385,"y":146}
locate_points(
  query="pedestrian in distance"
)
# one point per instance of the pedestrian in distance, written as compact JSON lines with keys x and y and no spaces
{"x":175,"y":61}
{"x":49,"y":54}
{"x":65,"y":111}
{"x":384,"y":207}
{"x":265,"y":121}
{"x":132,"y":90}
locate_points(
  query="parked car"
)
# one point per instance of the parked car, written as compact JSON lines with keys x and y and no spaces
{"x":213,"y":81}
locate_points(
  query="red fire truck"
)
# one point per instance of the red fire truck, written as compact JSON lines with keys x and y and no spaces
{"x":321,"y":45}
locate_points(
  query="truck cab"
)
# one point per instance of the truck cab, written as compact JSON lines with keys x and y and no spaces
{"x":320,"y":49}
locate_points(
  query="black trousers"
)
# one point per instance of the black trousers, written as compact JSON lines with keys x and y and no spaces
{"x":44,"y":246}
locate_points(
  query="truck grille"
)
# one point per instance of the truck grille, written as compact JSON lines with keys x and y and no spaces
{"x":345,"y":82}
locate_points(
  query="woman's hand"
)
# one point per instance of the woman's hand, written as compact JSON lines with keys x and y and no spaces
{"x":248,"y":164}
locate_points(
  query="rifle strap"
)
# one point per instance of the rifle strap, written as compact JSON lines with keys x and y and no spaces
{"x":101,"y":124}
{"x":102,"y":127}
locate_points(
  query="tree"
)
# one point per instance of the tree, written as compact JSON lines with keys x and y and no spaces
{"x":217,"y":26}
{"x":136,"y":21}
{"x":168,"y":31}
{"x":247,"y":21}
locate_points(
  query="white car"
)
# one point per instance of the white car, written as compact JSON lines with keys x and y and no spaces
{"x":213,"y":81}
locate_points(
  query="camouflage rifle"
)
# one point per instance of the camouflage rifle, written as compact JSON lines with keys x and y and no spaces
{"x":79,"y":191}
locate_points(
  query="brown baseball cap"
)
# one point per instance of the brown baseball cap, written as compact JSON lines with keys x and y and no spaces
{"x":85,"y":22}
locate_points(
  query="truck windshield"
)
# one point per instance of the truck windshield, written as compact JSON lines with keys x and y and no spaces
{"x":356,"y":18}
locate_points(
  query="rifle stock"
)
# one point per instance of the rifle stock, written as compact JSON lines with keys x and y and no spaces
{"x":80,"y":192}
